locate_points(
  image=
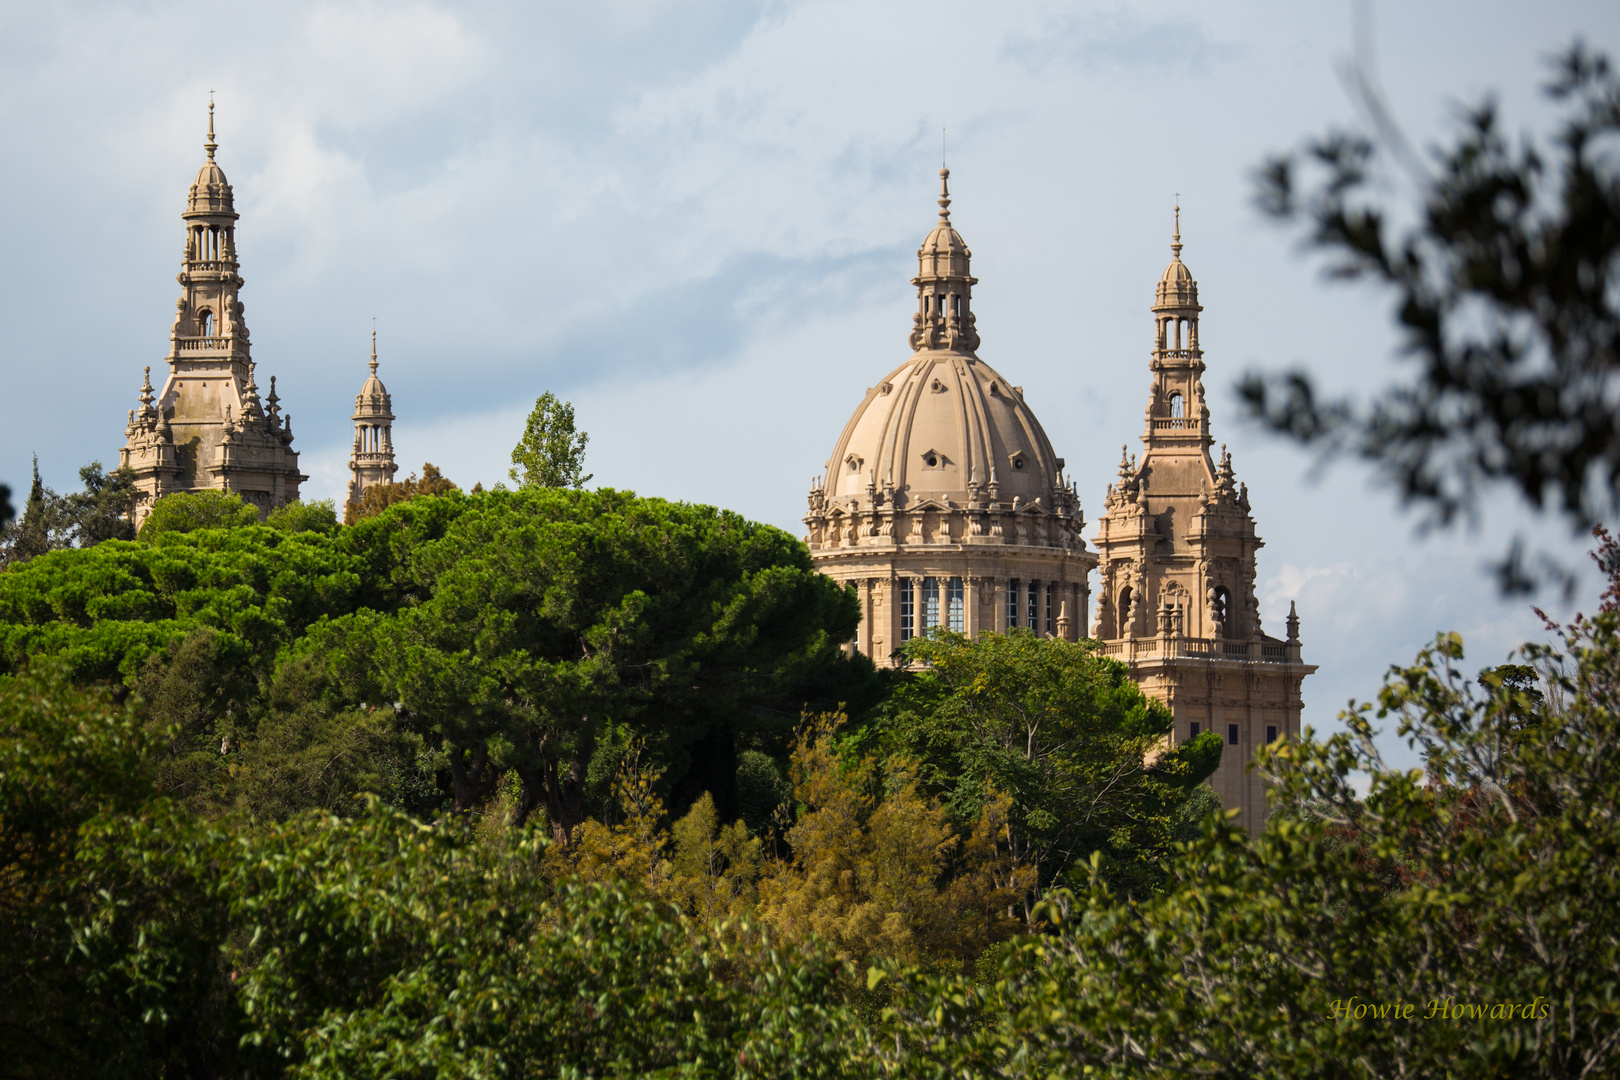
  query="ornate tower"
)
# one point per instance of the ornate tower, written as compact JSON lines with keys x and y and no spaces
{"x":372,"y":461}
{"x":1177,"y":548}
{"x":207,"y":429}
{"x":943,"y":503}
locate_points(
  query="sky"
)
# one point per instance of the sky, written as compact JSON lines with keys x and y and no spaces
{"x":698,"y":223}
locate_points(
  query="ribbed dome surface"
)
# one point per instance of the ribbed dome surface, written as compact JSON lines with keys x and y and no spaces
{"x":938,"y":423}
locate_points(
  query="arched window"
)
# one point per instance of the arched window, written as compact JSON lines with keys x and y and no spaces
{"x":1178,"y":406}
{"x":1124,"y":609}
{"x":1223,"y":605}
{"x":205,"y":320}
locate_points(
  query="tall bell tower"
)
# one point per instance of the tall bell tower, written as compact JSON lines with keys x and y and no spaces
{"x":372,"y":460}
{"x":1176,"y":546}
{"x":207,"y":429}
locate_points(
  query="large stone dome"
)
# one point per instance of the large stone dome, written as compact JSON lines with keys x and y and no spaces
{"x":943,"y":501}
{"x":944,"y":427}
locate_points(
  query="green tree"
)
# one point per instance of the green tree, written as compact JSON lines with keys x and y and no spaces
{"x":137,"y":942}
{"x":551,"y":454}
{"x":102,"y":510}
{"x":536,"y":616}
{"x":1505,"y":289}
{"x":1462,"y":919}
{"x":299,"y":516}
{"x":31,"y":536}
{"x":185,"y":511}
{"x":1065,"y":733}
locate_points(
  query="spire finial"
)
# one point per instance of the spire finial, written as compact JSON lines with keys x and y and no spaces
{"x":1175,"y":237}
{"x":210,"y":145}
{"x":945,"y":196}
{"x":374,"y":344}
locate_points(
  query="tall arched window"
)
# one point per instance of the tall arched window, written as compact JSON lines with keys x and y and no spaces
{"x":1178,"y":406}
{"x":1124,"y":609}
{"x":205,"y":320}
{"x":1223,"y":606}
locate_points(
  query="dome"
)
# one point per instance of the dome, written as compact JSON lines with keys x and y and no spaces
{"x":1176,"y":290}
{"x":943,"y":505}
{"x":941,"y":428}
{"x":210,"y":192}
{"x":373,"y":402}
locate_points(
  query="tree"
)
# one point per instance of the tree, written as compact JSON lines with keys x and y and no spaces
{"x":31,"y":536}
{"x":102,"y":510}
{"x":78,"y":519}
{"x":1060,"y":730}
{"x":878,"y":870}
{"x":300,"y":516}
{"x":1505,"y":289}
{"x":138,"y":942}
{"x":185,"y":511}
{"x":1457,"y":920}
{"x":550,"y":454}
{"x":380,"y":497}
{"x":539,"y":615}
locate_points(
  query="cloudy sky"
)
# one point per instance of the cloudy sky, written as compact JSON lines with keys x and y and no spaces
{"x":698,"y":221}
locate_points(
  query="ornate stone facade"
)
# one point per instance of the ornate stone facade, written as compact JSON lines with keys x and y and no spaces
{"x":372,"y":460}
{"x":943,"y":502}
{"x":1177,"y":545}
{"x":207,"y":429}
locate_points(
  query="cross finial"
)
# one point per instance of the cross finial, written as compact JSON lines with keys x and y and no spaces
{"x":210,"y":145}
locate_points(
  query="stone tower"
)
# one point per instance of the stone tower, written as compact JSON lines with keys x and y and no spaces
{"x":207,"y":429}
{"x":372,"y":461}
{"x":1177,"y":546}
{"x":943,"y":502}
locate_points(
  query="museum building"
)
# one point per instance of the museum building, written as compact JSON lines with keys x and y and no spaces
{"x":944,"y":505}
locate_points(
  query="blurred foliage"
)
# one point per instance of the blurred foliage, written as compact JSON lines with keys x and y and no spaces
{"x":1505,"y":288}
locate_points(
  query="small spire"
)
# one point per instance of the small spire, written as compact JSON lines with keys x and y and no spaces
{"x":945,"y":197}
{"x":374,"y":347}
{"x":1175,"y":237}
{"x":210,"y":145}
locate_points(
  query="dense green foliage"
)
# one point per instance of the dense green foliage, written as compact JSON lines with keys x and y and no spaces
{"x":299,"y":516}
{"x":187,"y":511}
{"x":551,"y":453}
{"x":1062,"y":731}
